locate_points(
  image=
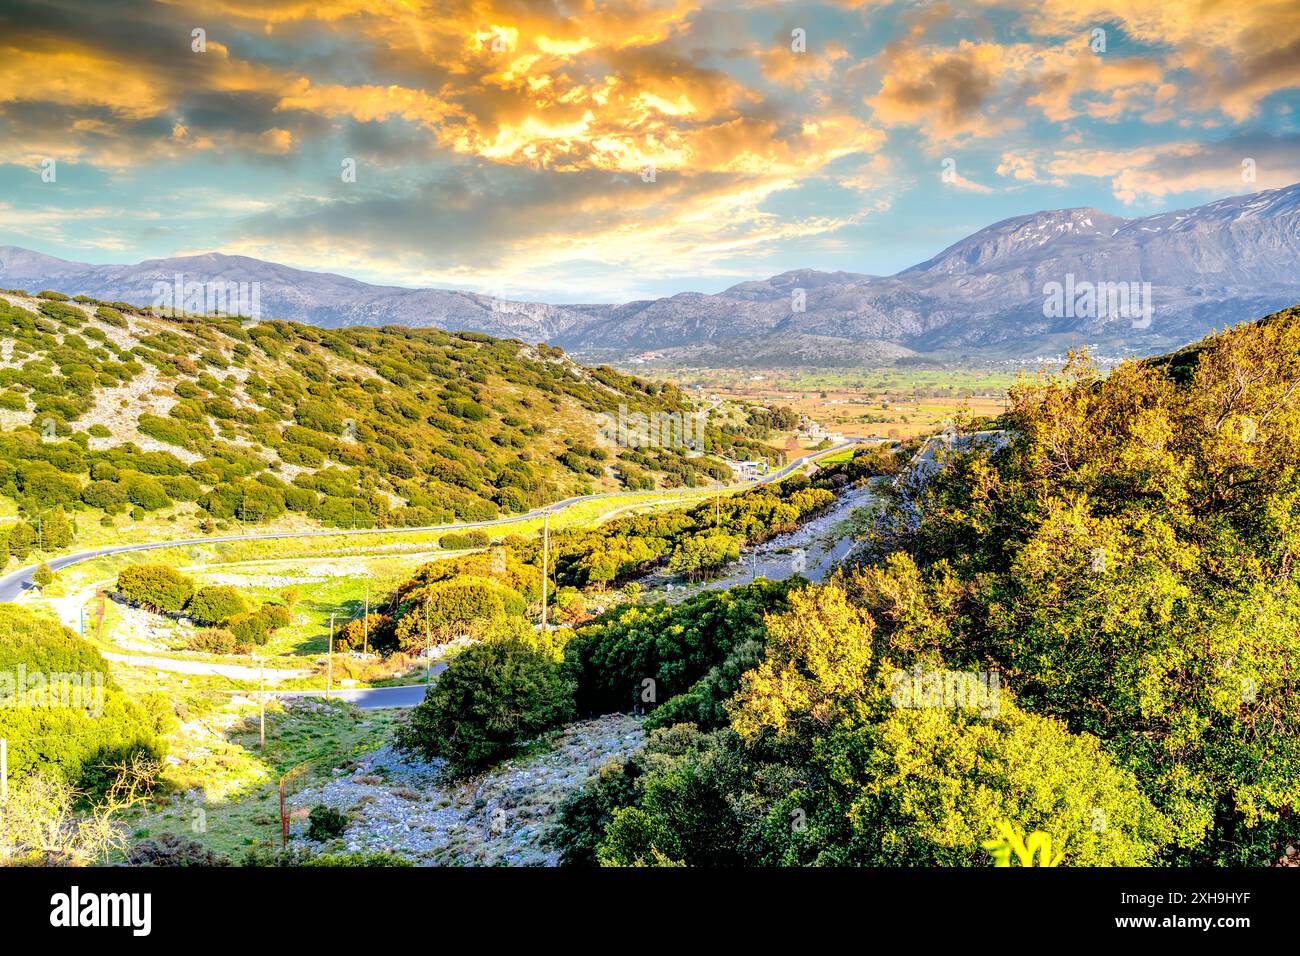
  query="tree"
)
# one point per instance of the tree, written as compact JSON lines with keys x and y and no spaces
{"x":156,"y":586}
{"x":216,"y":604}
{"x":817,"y":661}
{"x":494,"y":697}
{"x":704,"y":555}
{"x":69,"y":720}
{"x":22,"y":540}
{"x":43,"y":576}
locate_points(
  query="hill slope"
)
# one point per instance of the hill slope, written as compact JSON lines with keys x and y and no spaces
{"x":203,"y":419}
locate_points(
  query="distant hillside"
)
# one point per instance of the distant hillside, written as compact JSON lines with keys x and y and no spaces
{"x":315,"y":298}
{"x":1208,"y":266}
{"x":107,"y":410}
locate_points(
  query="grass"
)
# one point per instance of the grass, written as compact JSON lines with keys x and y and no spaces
{"x":225,"y":791}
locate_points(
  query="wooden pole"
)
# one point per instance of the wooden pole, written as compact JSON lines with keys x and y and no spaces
{"x":428,"y":645}
{"x":261,"y":707}
{"x":365,"y":623}
{"x":4,"y":770}
{"x":329,"y":670}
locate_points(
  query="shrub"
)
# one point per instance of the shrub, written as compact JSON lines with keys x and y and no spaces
{"x":171,"y":850}
{"x":256,"y":627}
{"x":215,"y":640}
{"x":492,"y":699}
{"x":464,"y":540}
{"x":442,"y":608}
{"x":75,"y":744}
{"x":43,"y":577}
{"x":216,"y":604}
{"x":155,"y":586}
{"x":325,"y":823}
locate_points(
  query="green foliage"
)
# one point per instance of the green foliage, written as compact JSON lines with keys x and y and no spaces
{"x":256,"y":627}
{"x":216,"y":604}
{"x":215,"y":640}
{"x":43,"y":577}
{"x":493,"y":698}
{"x":464,"y":540}
{"x":67,"y":718}
{"x":442,"y":610}
{"x":704,"y":555}
{"x":394,"y":427}
{"x":675,"y":647}
{"x":158,"y":587}
{"x":325,"y":823}
{"x":1125,"y":560}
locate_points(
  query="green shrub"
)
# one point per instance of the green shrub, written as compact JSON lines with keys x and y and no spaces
{"x":491,"y":700}
{"x":216,"y":604}
{"x":73,"y":730}
{"x":464,"y":540}
{"x":256,"y":627}
{"x":325,"y":823}
{"x":215,"y":640}
{"x":155,"y":586}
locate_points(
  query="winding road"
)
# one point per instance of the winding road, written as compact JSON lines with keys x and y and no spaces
{"x":373,"y":698}
{"x":16,"y":582}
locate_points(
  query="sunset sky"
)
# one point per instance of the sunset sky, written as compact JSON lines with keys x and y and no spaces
{"x":501,"y":146}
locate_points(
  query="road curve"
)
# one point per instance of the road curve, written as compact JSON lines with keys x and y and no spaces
{"x":16,"y":582}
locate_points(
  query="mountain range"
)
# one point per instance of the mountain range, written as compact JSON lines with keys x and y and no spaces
{"x":1207,"y":267}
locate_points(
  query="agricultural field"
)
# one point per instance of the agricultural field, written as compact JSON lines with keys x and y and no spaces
{"x":897,"y":403}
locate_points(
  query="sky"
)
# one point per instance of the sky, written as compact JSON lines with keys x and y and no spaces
{"x":584,"y":151}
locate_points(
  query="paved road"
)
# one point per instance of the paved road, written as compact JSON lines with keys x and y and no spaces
{"x":15,"y":583}
{"x":371,"y":698}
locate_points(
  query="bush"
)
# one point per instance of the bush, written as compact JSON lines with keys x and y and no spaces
{"x":256,"y":627}
{"x":464,"y":540}
{"x":461,"y":603}
{"x":492,"y":699}
{"x":156,"y":586}
{"x":216,"y":640}
{"x":325,"y":823}
{"x":216,"y":604}
{"x":171,"y":850}
{"x":51,"y":734}
{"x":43,"y":577}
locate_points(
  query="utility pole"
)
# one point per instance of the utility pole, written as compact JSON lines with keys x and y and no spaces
{"x":365,"y":623}
{"x":546,"y":547}
{"x":261,"y":707}
{"x":428,"y":645}
{"x":4,"y":770}
{"x":329,"y":672}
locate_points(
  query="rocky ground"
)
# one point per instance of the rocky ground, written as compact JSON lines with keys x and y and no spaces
{"x":813,"y":550}
{"x":502,"y":817}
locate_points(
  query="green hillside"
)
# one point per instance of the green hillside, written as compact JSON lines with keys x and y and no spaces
{"x":114,"y":415}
